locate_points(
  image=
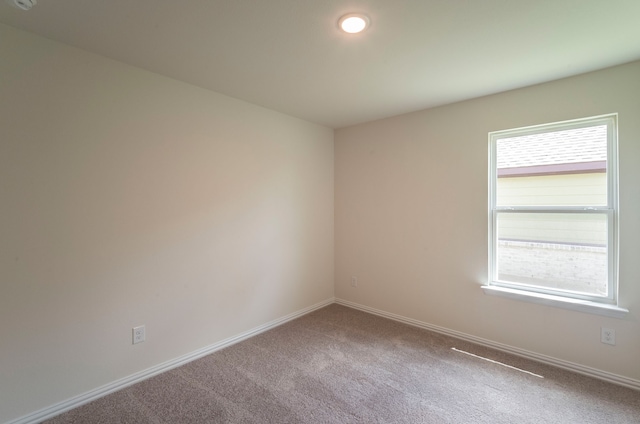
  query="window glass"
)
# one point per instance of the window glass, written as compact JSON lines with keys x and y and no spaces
{"x":565,"y":167}
{"x":561,"y":251}
{"x":553,"y":224}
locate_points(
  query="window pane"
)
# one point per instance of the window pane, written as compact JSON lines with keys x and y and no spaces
{"x":559,"y":168}
{"x":559,"y":251}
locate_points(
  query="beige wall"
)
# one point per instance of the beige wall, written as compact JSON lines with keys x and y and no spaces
{"x":411,"y":218}
{"x":127,"y":198}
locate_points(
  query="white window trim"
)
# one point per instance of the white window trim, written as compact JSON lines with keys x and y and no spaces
{"x":592,"y":304}
{"x":597,"y":308}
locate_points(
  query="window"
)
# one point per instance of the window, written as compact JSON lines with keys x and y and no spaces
{"x":553,"y":210}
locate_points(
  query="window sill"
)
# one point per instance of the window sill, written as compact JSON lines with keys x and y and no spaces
{"x":557,"y":301}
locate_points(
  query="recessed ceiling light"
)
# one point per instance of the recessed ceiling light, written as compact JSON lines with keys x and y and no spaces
{"x":353,"y":23}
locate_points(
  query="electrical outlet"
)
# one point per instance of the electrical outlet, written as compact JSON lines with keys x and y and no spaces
{"x":138,"y":334}
{"x":354,"y":281}
{"x":608,"y":336}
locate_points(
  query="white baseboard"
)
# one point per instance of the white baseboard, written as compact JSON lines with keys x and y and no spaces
{"x":74,"y":402}
{"x":560,"y":363}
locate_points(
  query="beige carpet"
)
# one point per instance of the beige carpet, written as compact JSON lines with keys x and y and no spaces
{"x":339,"y":365}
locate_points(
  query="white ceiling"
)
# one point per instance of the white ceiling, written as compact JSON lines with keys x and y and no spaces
{"x":289,"y":55}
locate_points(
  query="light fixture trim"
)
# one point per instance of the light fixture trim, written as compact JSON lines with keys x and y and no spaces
{"x":354,"y":23}
{"x":22,"y":4}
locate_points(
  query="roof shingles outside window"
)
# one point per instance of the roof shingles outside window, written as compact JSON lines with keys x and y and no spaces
{"x":579,"y":150}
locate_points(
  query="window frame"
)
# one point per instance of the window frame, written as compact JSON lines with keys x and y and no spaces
{"x":610,"y":210}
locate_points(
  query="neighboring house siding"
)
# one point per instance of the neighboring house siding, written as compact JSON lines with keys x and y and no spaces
{"x":554,"y":250}
{"x":579,"y":229}
{"x":567,"y":190}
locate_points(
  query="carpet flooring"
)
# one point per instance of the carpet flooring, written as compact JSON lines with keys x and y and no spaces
{"x":339,"y":365}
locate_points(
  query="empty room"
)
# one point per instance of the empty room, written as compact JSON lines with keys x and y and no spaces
{"x":291,"y":211}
